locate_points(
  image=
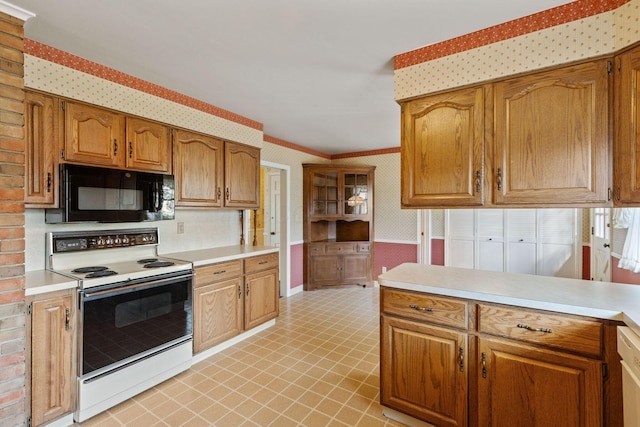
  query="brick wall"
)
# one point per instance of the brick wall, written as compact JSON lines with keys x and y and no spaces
{"x":12,"y":300}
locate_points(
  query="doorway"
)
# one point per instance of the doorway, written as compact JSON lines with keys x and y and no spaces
{"x":270,"y":225}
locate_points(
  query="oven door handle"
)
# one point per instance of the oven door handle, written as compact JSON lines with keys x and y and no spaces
{"x":91,"y":295}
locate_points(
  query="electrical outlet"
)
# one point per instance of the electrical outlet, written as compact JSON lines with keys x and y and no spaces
{"x":384,"y":269}
{"x":181,"y":228}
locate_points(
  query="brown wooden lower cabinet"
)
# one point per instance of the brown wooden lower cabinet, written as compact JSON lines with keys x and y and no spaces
{"x":52,"y":342}
{"x":423,"y":371}
{"x":232,"y":297}
{"x":456,"y":362}
{"x":525,"y":386}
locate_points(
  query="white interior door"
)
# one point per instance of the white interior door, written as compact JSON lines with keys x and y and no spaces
{"x":601,"y":244}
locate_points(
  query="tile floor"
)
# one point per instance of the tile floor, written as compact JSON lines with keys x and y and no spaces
{"x":318,"y":366}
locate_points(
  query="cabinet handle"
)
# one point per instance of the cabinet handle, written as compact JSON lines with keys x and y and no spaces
{"x":263,"y":262}
{"x":219,"y":193}
{"x":247,"y":289}
{"x":417,"y":307}
{"x":499,"y":179}
{"x":478,"y":182}
{"x":227,"y":193}
{"x":484,"y":365}
{"x":529,"y":328}
{"x":239,"y":291}
{"x":619,"y":193}
{"x":606,"y":245}
{"x":48,"y":182}
{"x":130,"y":150}
{"x":67,"y":318}
{"x":220,"y":272}
{"x":461,"y":358}
{"x":115,"y":147}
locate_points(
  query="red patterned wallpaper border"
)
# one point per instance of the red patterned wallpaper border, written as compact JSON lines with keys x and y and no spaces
{"x":573,"y":11}
{"x":366,"y":153}
{"x":66,"y":59}
{"x":292,"y":146}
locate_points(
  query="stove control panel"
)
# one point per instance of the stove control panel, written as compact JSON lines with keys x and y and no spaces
{"x":90,"y":240}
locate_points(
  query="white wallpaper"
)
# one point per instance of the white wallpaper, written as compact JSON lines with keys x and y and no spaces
{"x":584,"y":38}
{"x":67,"y":82}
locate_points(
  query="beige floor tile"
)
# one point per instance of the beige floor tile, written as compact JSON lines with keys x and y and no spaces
{"x":318,"y":366}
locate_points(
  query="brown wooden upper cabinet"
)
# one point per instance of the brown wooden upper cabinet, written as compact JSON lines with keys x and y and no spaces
{"x":41,"y":133}
{"x":241,"y":175}
{"x":213,"y":173}
{"x":539,"y":139}
{"x":99,"y":137}
{"x":626,"y":149}
{"x":198,"y":168}
{"x":551,"y":137}
{"x":443,"y":148}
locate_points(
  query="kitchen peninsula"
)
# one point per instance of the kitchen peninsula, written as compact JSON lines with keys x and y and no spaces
{"x":469,"y":347}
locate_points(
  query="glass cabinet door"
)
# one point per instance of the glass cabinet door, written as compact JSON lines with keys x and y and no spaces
{"x":325,"y":193}
{"x":356,"y":190}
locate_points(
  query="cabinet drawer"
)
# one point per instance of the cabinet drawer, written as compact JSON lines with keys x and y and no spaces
{"x":262,"y":262}
{"x":364,"y":247}
{"x":554,"y":330}
{"x":340,"y":248}
{"x":429,"y":308}
{"x":217,"y":272}
{"x":316,"y":249}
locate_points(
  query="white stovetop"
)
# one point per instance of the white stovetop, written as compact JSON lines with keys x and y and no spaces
{"x":602,"y":300}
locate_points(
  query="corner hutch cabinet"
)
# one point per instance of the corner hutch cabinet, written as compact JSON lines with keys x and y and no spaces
{"x":338,"y":225}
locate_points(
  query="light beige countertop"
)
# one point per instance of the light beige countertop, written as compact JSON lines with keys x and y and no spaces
{"x":604,"y":300}
{"x":43,"y":281}
{"x":224,"y":253}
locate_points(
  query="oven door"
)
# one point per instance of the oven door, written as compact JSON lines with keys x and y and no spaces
{"x":125,"y":322}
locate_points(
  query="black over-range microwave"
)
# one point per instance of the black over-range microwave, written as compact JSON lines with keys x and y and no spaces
{"x":112,"y":195}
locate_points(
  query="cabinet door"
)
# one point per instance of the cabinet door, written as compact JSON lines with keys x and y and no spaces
{"x":442,"y":149}
{"x":490,"y":239}
{"x":521,"y":385}
{"x":41,"y":149}
{"x":356,"y":269}
{"x":356,"y":188}
{"x":627,"y":141}
{"x":52,"y":378}
{"x":148,"y":146}
{"x":261,"y":300}
{"x":93,"y":136}
{"x":551,"y":137}
{"x":198,"y":163}
{"x":521,"y":241}
{"x":217,"y":313}
{"x":323,"y":191}
{"x":325,"y":270}
{"x":424,"y":371}
{"x":242,"y":176}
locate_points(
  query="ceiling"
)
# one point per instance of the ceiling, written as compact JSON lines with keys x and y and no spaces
{"x":317,"y":73}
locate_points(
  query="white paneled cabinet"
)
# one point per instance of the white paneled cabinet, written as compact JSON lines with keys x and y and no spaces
{"x":529,"y":241}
